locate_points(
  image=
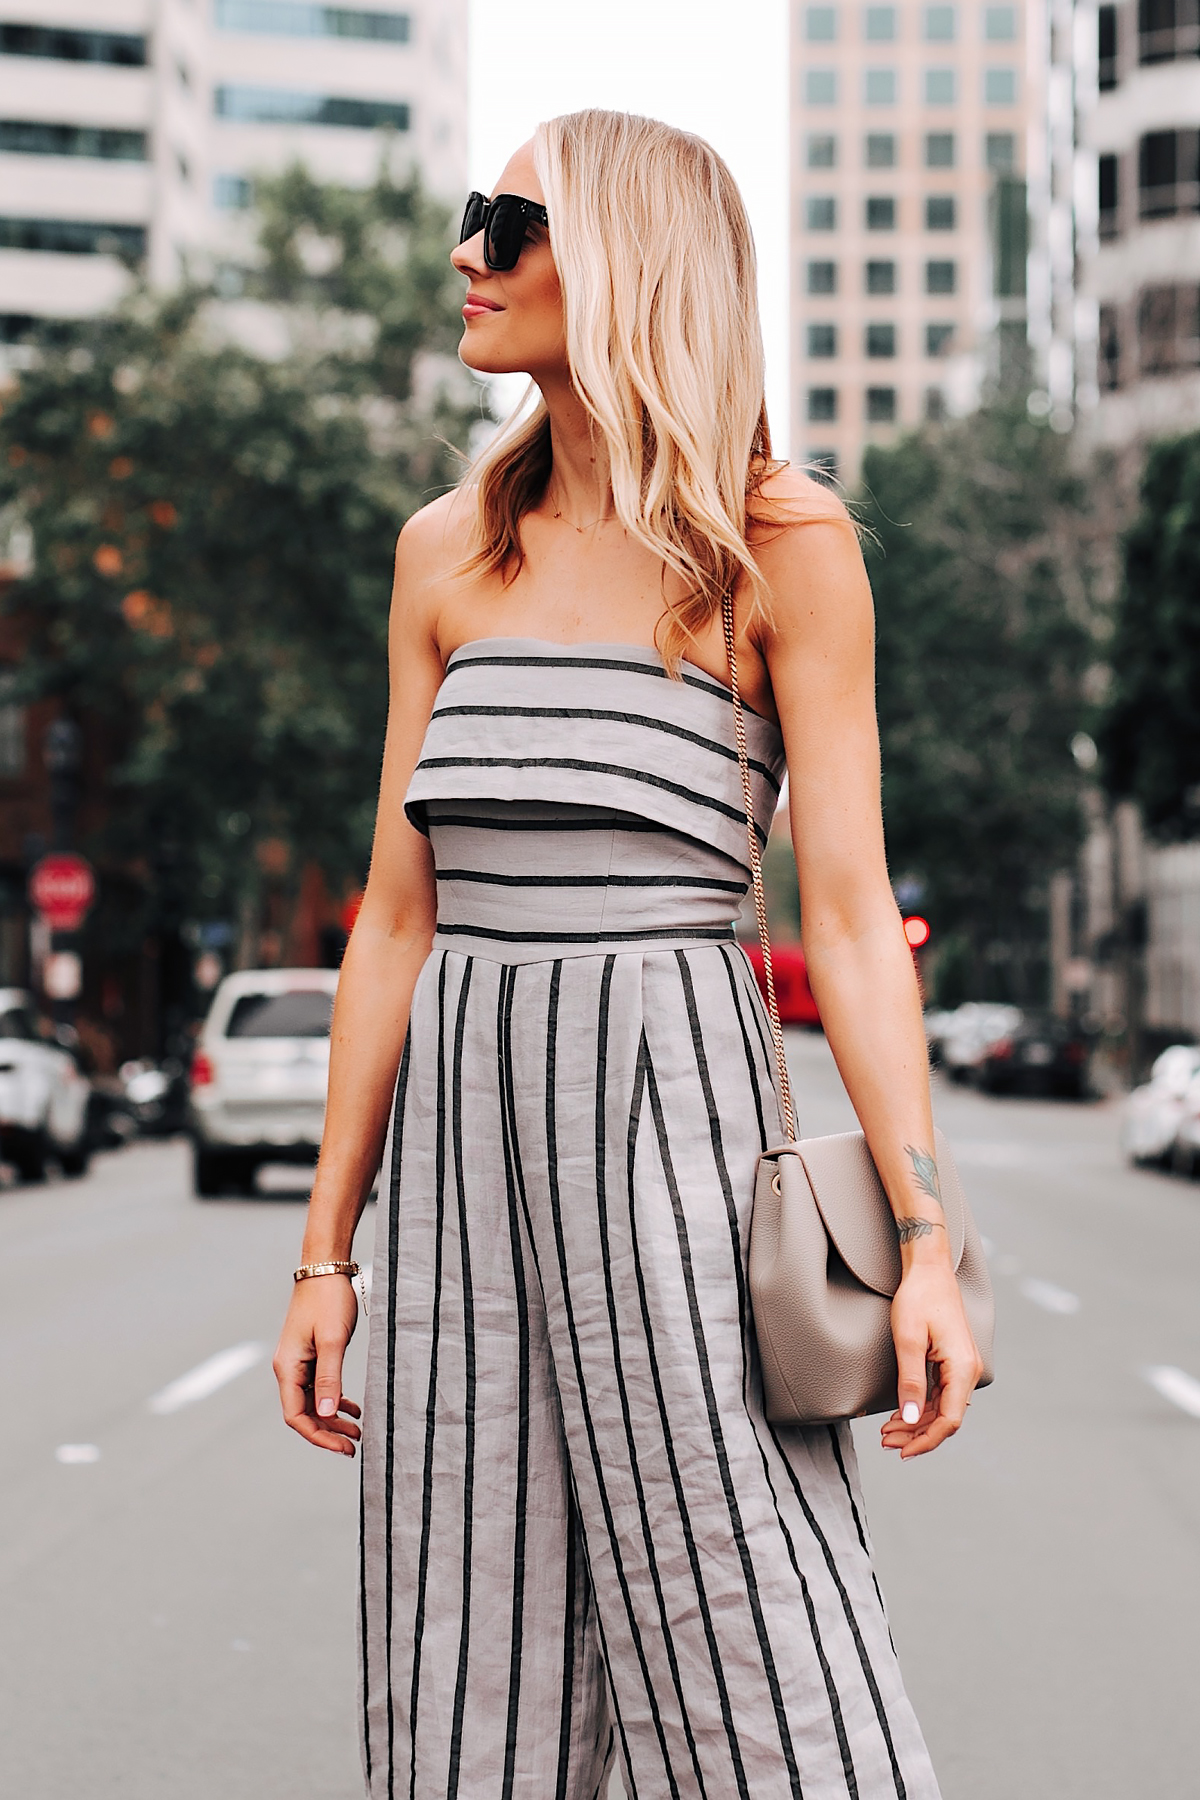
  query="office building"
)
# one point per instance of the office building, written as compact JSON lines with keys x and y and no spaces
{"x":1139,"y":185}
{"x":130,"y":129}
{"x":924,"y":262}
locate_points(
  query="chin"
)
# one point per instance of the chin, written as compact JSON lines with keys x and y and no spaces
{"x":484,"y":362}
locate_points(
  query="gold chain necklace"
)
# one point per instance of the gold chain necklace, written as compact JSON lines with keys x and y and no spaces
{"x":588,"y":525}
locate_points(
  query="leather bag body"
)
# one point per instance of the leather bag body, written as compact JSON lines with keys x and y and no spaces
{"x":824,"y":1267}
{"x":824,"y":1246}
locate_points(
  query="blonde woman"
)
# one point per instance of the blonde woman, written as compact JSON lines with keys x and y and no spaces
{"x":582,"y":1542}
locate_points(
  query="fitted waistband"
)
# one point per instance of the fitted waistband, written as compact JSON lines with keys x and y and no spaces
{"x":499,"y":946}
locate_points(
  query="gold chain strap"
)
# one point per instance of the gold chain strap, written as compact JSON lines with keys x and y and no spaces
{"x":760,"y":903}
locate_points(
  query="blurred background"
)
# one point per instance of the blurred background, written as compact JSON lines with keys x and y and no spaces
{"x":227,"y":376}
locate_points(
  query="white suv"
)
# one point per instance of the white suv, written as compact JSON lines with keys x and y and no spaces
{"x":43,"y":1095}
{"x":259,"y":1075}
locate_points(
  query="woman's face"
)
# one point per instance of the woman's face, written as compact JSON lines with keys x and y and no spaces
{"x":514,"y":319}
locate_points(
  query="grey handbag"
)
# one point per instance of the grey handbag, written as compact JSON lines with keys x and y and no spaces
{"x":824,"y":1249}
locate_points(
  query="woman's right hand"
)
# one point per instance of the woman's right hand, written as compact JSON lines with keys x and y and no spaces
{"x":308,"y":1363}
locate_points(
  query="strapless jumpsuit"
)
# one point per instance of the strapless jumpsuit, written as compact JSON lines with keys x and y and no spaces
{"x":582,"y":1541}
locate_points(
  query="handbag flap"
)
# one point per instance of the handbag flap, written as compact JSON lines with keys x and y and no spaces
{"x":855,"y":1209}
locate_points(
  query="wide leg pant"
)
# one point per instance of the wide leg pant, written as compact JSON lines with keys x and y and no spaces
{"x":581,"y":1538}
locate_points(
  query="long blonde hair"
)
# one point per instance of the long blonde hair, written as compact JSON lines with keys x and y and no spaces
{"x":656,"y":260}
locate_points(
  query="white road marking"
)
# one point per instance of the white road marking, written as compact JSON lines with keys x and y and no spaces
{"x":207,"y":1377}
{"x":1049,"y":1297}
{"x":77,"y":1453}
{"x":1175,"y":1385}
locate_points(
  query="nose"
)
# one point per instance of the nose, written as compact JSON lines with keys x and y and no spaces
{"x":468,"y":257}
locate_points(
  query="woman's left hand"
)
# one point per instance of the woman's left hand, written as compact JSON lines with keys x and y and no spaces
{"x":938,"y":1361}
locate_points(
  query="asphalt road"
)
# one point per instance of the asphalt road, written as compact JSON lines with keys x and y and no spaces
{"x":177,"y":1597}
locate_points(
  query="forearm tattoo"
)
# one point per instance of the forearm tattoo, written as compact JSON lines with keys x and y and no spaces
{"x":925,"y":1170}
{"x":917,"y":1228}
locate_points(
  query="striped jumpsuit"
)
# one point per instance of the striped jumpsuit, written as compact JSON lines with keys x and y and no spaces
{"x":581,"y":1539}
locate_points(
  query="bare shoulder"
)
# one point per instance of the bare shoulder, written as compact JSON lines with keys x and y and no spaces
{"x":805,"y":542}
{"x":436,"y":538}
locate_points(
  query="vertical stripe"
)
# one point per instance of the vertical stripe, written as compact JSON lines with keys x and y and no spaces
{"x":668,"y":1636}
{"x":504,"y":1003}
{"x":726,"y":1185}
{"x":468,"y":1311}
{"x":755,"y":1082}
{"x":835,"y":1440}
{"x":389,"y":1442}
{"x":431,"y":1393}
{"x":514,"y":1148}
{"x":714,"y":1421}
{"x":685,"y":1522}
{"x":585,"y":1409}
{"x":570,"y":1627}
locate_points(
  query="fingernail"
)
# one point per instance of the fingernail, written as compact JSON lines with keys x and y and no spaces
{"x":910,"y":1414}
{"x":326,"y":1407}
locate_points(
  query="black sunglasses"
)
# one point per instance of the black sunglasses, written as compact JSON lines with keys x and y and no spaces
{"x":504,"y":223}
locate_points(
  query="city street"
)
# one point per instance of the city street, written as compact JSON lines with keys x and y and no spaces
{"x":177,"y":1571}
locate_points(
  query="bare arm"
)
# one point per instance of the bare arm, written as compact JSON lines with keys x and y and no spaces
{"x":820,"y":655}
{"x":387,"y":948}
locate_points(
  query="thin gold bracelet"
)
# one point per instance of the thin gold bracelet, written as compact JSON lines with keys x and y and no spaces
{"x":306,"y":1271}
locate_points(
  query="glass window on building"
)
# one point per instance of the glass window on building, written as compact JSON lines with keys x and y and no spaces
{"x":29,"y":137}
{"x":1108,"y":70}
{"x":879,"y":24}
{"x":283,"y":106}
{"x":822,"y":340}
{"x":299,"y":18}
{"x":879,"y":87}
{"x":881,"y":150}
{"x":73,"y":237}
{"x":820,"y":87}
{"x":232,"y":193}
{"x":881,"y":405}
{"x":935,"y":405}
{"x":880,"y":340}
{"x":1109,"y":170}
{"x":822,"y":278}
{"x":820,"y":212}
{"x":1168,"y":328}
{"x":939,"y":87}
{"x":940,"y":212}
{"x":939,"y":149}
{"x":1168,"y":174}
{"x":941,"y":277}
{"x":1109,"y":350}
{"x":939,"y":338}
{"x":820,"y":24}
{"x":13,"y":728}
{"x":880,"y":213}
{"x":1000,"y":24}
{"x":1167,"y":30}
{"x":125,"y":49}
{"x":1000,"y":87}
{"x":822,"y":150}
{"x":822,"y":404}
{"x":939,"y":23}
{"x":881,"y":278}
{"x":1000,"y":152}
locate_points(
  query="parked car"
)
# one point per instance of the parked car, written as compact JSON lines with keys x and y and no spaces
{"x":1160,"y":1122}
{"x":795,"y":997}
{"x":43,"y":1095}
{"x":1039,"y":1054}
{"x":968,"y":1033}
{"x":259,"y":1076}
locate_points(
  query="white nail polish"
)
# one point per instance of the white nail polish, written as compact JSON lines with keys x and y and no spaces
{"x":911,"y":1412}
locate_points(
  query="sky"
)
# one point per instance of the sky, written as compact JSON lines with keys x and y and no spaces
{"x":714,"y":67}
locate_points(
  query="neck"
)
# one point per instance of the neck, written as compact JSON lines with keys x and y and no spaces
{"x":579,"y":486}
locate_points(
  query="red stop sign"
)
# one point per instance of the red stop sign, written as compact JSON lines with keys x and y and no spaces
{"x":62,"y":888}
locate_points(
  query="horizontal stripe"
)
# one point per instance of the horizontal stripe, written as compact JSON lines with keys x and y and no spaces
{"x":582,"y":767}
{"x":593,"y":881}
{"x":609,"y":716}
{"x":717,"y":933}
{"x":624,"y":822}
{"x":707,"y":684}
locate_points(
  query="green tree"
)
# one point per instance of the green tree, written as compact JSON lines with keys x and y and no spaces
{"x":986,"y":564}
{"x":213,"y":527}
{"x":1150,"y":734}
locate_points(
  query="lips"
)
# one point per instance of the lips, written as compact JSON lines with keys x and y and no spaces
{"x":475,"y":306}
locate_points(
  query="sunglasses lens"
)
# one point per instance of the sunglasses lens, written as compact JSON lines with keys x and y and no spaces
{"x":505,"y":234}
{"x":473,"y":217}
